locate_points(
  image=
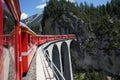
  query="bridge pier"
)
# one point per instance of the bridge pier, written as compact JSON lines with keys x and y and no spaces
{"x":69,"y":55}
{"x":59,"y":48}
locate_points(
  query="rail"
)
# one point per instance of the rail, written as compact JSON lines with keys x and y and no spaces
{"x":53,"y":65}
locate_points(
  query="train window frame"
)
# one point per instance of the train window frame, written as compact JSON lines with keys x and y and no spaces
{"x":29,"y":40}
{"x":9,"y":41}
{"x":8,"y":20}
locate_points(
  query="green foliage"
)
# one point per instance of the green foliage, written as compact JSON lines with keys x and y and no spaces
{"x":90,"y":75}
{"x":56,"y":8}
{"x":36,"y":29}
{"x":104,"y":21}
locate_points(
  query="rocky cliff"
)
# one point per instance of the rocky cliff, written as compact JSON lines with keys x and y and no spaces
{"x":91,"y":51}
{"x":33,"y":20}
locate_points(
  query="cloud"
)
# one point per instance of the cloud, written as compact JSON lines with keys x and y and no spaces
{"x":24,"y":16}
{"x":71,"y":0}
{"x":41,"y":6}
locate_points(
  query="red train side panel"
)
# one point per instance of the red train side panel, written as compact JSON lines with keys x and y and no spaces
{"x":9,"y":9}
{"x":1,"y":41}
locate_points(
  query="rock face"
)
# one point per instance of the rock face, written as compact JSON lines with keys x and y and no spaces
{"x":92,"y":53}
{"x":33,"y":20}
{"x":65,"y":24}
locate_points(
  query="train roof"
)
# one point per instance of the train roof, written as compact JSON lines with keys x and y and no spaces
{"x":14,"y":7}
{"x":25,"y":28}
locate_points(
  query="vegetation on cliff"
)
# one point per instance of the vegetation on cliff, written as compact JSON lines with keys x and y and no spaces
{"x":97,"y":29}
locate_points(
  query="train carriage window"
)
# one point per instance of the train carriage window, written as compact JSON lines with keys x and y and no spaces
{"x":8,"y":20}
{"x":28,"y":39}
{"x":9,"y":43}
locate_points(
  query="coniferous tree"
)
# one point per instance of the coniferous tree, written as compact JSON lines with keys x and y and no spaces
{"x":104,"y":20}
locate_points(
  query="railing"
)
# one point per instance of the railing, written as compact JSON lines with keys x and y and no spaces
{"x":46,"y":38}
{"x":53,"y":67}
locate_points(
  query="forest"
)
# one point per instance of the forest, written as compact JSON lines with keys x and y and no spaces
{"x":103,"y":21}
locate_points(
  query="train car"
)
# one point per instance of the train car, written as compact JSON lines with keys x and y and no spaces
{"x":9,"y":49}
{"x":18,"y":42}
{"x":29,"y":45}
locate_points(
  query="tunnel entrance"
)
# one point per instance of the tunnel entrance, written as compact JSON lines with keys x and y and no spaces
{"x":65,"y":61}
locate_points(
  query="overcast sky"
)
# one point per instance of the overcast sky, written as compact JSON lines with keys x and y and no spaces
{"x":31,"y":7}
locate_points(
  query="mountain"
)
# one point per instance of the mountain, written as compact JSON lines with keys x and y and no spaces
{"x":33,"y":20}
{"x":98,"y":34}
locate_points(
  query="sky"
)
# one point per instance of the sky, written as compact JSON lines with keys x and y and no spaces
{"x":31,"y":7}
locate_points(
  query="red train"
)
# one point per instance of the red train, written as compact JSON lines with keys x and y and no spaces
{"x":18,"y":42}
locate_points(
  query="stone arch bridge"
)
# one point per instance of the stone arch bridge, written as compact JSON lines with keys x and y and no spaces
{"x":55,"y":58}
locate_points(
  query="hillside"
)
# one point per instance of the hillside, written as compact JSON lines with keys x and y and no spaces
{"x":98,"y":32}
{"x":34,"y":22}
{"x":96,"y":55}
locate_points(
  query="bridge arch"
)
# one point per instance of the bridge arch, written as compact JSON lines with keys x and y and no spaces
{"x":56,"y":59}
{"x":59,"y":54}
{"x":65,"y":61}
{"x":75,"y":53}
{"x":74,"y":47}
